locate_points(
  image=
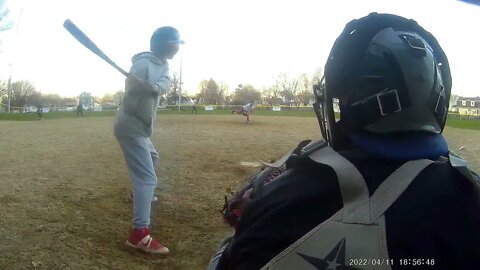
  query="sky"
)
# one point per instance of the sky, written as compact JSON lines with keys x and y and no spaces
{"x":237,"y":42}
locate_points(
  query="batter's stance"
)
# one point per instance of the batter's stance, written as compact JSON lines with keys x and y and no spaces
{"x":148,"y":79}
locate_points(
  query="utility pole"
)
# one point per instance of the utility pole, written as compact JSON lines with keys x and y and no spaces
{"x":180,"y":84}
{"x":9,"y":87}
{"x":10,"y":77}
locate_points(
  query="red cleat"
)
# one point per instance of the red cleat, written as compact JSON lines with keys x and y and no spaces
{"x":141,"y":239}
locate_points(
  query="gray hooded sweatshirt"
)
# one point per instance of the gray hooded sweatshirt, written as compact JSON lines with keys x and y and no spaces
{"x":137,"y":112}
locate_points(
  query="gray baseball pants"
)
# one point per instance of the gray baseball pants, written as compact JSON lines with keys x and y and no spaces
{"x":142,"y":159}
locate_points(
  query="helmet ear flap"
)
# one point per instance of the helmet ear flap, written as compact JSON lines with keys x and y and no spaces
{"x":442,"y":102}
{"x":319,"y":106}
{"x":333,"y":132}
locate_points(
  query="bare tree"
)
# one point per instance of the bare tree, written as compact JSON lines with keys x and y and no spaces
{"x":51,"y":100}
{"x":317,"y":76}
{"x":21,"y":93}
{"x":305,"y":93}
{"x":272,"y":95}
{"x":3,"y":89}
{"x":246,"y":93}
{"x":117,"y":97}
{"x":223,"y":89}
{"x":172,"y":95}
{"x":106,"y":99}
{"x":305,"y":97}
{"x":211,"y":92}
{"x":288,"y":88}
{"x":201,"y":95}
{"x":282,"y":84}
{"x":34,"y":99}
{"x":293,"y":93}
{"x":69,"y":101}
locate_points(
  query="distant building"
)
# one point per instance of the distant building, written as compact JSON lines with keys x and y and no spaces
{"x":453,"y":103}
{"x":467,"y":106}
{"x":70,"y":106}
{"x":117,"y":98}
{"x":185,"y":101}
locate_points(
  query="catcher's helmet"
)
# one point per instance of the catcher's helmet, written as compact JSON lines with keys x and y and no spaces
{"x":388,"y":75}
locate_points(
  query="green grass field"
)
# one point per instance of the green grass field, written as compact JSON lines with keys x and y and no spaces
{"x":464,"y":123}
{"x":50,"y":115}
{"x":453,"y":121}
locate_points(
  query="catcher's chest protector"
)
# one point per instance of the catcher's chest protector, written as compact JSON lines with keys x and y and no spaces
{"x":355,"y":236}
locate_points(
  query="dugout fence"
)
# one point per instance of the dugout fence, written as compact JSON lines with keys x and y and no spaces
{"x":213,"y":107}
{"x":189,"y":107}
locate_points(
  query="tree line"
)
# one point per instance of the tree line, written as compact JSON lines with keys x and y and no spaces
{"x":24,"y":93}
{"x":286,"y":90}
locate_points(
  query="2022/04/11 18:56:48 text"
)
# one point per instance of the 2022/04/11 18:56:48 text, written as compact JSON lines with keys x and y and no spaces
{"x":403,"y":262}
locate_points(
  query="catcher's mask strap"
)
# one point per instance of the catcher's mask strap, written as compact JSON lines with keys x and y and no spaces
{"x":280,"y":161}
{"x":313,"y":146}
{"x":303,"y":147}
{"x":394,"y":185}
{"x":462,"y":167}
{"x":353,"y":188}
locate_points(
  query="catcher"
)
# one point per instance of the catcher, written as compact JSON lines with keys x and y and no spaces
{"x":382,"y":188}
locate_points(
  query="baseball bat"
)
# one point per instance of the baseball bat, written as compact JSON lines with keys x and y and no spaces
{"x":87,"y":42}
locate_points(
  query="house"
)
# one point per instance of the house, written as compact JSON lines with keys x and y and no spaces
{"x":467,"y":106}
{"x":185,"y":101}
{"x":71,"y":106}
{"x":453,"y":103}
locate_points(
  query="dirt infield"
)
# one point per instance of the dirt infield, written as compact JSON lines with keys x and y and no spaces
{"x":64,"y":189}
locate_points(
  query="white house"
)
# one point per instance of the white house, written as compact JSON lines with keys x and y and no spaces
{"x":467,"y":106}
